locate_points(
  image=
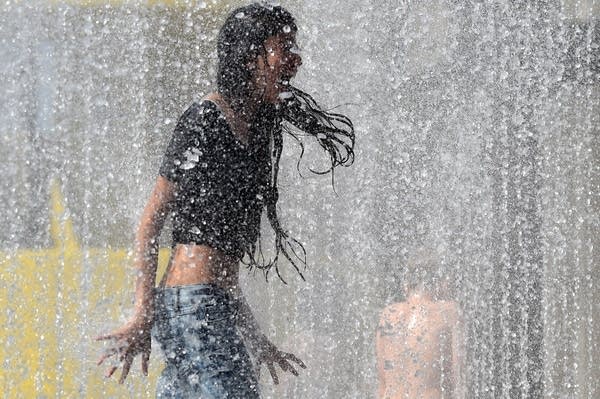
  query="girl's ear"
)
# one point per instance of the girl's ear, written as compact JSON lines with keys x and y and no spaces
{"x":260,"y":61}
{"x":256,"y":63}
{"x":259,"y":64}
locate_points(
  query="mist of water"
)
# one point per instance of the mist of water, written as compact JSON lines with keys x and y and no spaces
{"x":477,"y":139}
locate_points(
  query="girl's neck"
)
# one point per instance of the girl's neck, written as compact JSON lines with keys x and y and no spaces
{"x":244,"y":109}
{"x":239,"y":116}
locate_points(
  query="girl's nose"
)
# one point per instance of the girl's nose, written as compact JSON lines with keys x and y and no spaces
{"x":294,"y":62}
{"x":295,"y":55}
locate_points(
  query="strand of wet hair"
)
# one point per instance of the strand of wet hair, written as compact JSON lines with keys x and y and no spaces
{"x":285,"y":245}
{"x":283,"y":241}
{"x":334,"y":132}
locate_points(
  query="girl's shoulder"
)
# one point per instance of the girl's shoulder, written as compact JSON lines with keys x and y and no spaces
{"x":201,"y":112}
{"x":200,"y":120}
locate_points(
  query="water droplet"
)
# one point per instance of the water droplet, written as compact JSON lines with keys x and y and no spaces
{"x":285,"y":94}
{"x":192,"y":156}
{"x":188,"y":165}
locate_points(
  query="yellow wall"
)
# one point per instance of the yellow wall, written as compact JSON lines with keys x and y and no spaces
{"x":169,"y":3}
{"x":54,"y":301}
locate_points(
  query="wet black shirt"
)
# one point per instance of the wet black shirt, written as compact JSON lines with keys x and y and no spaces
{"x":219,"y":180}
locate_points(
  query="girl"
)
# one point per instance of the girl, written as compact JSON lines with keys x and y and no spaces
{"x":218,"y":175}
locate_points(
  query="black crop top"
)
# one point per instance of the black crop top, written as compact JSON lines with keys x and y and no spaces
{"x":220,"y":182}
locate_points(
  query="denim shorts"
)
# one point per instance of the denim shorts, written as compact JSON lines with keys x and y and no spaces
{"x":205,"y":355}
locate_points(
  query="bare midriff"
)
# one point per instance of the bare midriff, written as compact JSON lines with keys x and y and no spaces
{"x":201,"y":264}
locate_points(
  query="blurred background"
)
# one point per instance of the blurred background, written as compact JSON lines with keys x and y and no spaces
{"x":477,"y":139}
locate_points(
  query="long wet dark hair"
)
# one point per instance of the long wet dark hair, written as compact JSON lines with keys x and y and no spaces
{"x":241,"y":40}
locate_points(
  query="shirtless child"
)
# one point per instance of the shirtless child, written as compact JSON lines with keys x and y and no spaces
{"x":419,"y":342}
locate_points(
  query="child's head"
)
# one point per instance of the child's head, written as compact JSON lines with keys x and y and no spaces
{"x":424,"y":272}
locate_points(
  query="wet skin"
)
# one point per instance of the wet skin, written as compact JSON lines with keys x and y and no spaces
{"x":418,"y":349}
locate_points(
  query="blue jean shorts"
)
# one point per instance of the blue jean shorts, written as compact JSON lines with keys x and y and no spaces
{"x":205,"y":355}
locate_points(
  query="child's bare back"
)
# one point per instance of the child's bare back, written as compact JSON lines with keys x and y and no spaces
{"x":418,"y":349}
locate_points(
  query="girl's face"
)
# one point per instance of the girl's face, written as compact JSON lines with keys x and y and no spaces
{"x":278,"y":66}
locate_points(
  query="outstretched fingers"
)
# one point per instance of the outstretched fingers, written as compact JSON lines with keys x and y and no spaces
{"x":292,"y":357}
{"x":285,"y":362}
{"x":127,"y":343}
{"x":109,"y":352}
{"x":271,"y":368}
{"x":127,"y":361}
{"x":145,"y":360}
{"x":113,"y":335}
{"x":110,"y":371}
{"x":286,"y":366}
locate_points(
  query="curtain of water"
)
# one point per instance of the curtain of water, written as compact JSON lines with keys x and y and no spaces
{"x":480,"y":143}
{"x":477,"y":139}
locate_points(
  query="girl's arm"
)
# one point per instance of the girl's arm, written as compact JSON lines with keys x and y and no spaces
{"x":146,"y":248}
{"x":134,"y":337}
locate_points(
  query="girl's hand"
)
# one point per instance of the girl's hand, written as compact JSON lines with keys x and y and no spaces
{"x":128,"y":341}
{"x":269,"y":354}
